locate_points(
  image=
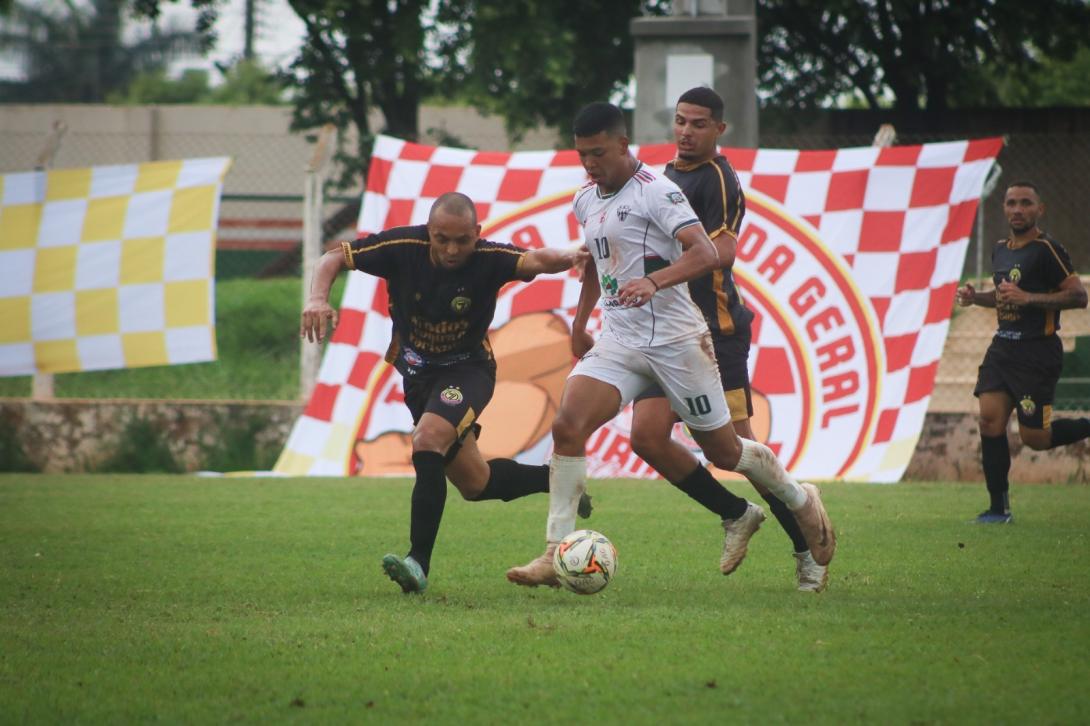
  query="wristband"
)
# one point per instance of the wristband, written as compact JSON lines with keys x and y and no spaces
{"x":648,"y":278}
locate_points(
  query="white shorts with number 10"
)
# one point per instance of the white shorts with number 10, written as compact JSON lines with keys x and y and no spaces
{"x":685,"y":370}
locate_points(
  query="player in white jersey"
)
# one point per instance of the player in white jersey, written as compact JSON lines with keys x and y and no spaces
{"x":646,"y":241}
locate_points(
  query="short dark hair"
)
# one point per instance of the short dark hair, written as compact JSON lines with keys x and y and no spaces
{"x":706,"y":97}
{"x":595,"y":118}
{"x":454,"y":203}
{"x":1028,"y":185}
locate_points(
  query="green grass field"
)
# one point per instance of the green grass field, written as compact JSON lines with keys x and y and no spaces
{"x":178,"y":599}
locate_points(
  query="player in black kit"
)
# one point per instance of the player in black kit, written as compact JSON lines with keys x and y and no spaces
{"x":1034,"y":281}
{"x":443,"y":281}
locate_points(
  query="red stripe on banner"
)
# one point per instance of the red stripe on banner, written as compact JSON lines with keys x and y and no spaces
{"x":361,"y":369}
{"x":846,"y":190}
{"x":542,"y":295}
{"x":914,"y":270}
{"x":774,"y":185}
{"x":321,"y":402}
{"x":490,"y":158}
{"x":816,"y":160}
{"x":740,"y":159}
{"x":899,"y":351}
{"x":881,"y":307}
{"x":567,"y":157}
{"x":399,"y":214}
{"x":932,"y":187}
{"x":983,"y":149}
{"x":349,"y":327}
{"x":921,"y":381}
{"x":959,"y":222}
{"x":380,"y":303}
{"x":881,"y":231}
{"x":941,"y":303}
{"x":887,"y":421}
{"x":441,"y":179}
{"x":378,"y":174}
{"x":656,"y":154}
{"x":416,"y":152}
{"x":519,"y":185}
{"x":772,"y":372}
{"x":898,"y":156}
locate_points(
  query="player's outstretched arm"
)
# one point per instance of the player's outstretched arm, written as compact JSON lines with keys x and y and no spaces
{"x":547,"y":260}
{"x":700,"y":256}
{"x":319,"y":317}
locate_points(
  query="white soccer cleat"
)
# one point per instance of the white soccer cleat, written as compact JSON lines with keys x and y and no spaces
{"x":816,"y":527}
{"x":736,"y":542}
{"x":811,"y":576}
{"x":539,"y":571}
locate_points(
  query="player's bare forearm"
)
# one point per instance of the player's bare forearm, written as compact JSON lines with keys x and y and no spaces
{"x":548,"y":260}
{"x":700,"y":256}
{"x":588,"y":296}
{"x":1062,"y":300}
{"x":318,"y":316}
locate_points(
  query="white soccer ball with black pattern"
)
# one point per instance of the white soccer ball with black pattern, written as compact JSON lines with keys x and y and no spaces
{"x":585,"y":561}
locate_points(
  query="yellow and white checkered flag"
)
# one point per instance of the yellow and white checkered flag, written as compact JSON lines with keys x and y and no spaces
{"x":108,"y":267}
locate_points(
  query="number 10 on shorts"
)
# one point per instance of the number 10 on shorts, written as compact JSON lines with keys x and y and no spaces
{"x":699,"y":405}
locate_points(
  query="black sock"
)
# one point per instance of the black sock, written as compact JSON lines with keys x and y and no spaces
{"x":1069,"y":430}
{"x":705,"y":489}
{"x":429,"y":497}
{"x":787,"y":520}
{"x":508,"y":479}
{"x":996,"y":455}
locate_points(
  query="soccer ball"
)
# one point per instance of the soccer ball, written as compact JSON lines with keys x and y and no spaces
{"x":585,"y":561}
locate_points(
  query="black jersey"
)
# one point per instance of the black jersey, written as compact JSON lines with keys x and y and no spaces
{"x":440,"y":316}
{"x":1037,"y":266}
{"x":716,"y":196}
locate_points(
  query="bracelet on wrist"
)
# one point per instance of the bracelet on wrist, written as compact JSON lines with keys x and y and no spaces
{"x":649,"y":279}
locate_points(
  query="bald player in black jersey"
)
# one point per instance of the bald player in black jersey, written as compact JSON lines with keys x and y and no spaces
{"x":443,"y":281}
{"x":1034,"y":281}
{"x":713,"y":190}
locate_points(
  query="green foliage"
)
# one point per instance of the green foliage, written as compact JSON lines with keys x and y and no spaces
{"x":537,"y":63}
{"x":12,"y":456}
{"x":141,"y":448}
{"x":1055,"y":83}
{"x":929,"y":55}
{"x":236,"y":448}
{"x":245,"y":82}
{"x":73,"y":52}
{"x":262,"y":601}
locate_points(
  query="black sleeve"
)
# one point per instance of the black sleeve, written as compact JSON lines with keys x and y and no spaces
{"x":721,"y":200}
{"x":502,"y":262}
{"x":1058,"y":265}
{"x":378,"y":254}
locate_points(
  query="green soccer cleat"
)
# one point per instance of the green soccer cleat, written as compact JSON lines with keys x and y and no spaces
{"x":405,"y":571}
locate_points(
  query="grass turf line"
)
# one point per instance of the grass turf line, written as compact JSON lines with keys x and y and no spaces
{"x":183,"y":599}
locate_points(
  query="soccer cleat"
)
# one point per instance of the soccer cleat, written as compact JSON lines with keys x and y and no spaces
{"x":585,"y":507}
{"x":811,"y":576}
{"x":405,"y":571}
{"x":816,"y":527}
{"x":537,"y":572}
{"x":990,"y":517}
{"x":736,"y":542}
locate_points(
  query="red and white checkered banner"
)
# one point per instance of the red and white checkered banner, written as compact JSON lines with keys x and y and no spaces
{"x":849,"y":259}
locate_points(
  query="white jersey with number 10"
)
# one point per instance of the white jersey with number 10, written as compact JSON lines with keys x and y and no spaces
{"x":632,"y":233}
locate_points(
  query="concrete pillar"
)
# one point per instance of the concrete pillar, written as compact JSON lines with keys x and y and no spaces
{"x":703,"y":43}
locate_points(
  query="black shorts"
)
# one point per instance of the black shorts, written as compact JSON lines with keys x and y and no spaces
{"x":455,"y":393}
{"x":1027,"y":370}
{"x":732,"y":358}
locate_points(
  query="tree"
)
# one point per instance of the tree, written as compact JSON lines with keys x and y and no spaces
{"x":537,"y":63}
{"x":78,"y":54}
{"x":244,"y":82}
{"x":911,"y":54}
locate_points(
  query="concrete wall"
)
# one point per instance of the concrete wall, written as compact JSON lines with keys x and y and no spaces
{"x":77,"y":435}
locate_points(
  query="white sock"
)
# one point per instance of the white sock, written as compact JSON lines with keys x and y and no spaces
{"x":567,"y":482}
{"x":761,"y":466}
